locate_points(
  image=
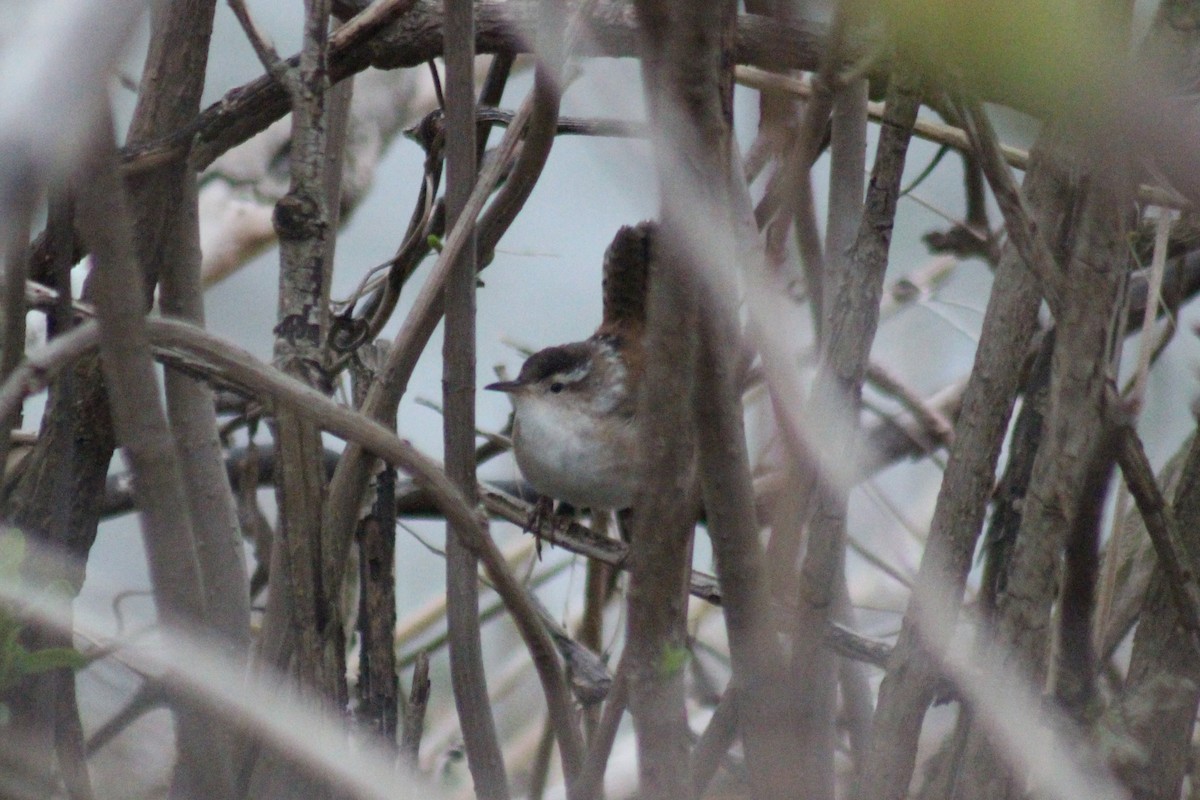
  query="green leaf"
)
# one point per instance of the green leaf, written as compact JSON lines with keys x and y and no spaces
{"x":925,"y":173}
{"x":435,"y":242}
{"x":50,"y":658}
{"x":12,"y":552}
{"x":10,"y":670}
{"x":10,"y":630}
{"x":674,"y":658}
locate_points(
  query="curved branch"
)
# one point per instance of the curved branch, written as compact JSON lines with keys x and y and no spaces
{"x":539,"y":137}
{"x":416,"y":37}
{"x":196,"y":351}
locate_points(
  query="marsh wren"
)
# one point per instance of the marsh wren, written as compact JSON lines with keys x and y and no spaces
{"x":575,"y":435}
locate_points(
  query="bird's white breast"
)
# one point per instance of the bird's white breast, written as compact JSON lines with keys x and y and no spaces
{"x":585,"y":459}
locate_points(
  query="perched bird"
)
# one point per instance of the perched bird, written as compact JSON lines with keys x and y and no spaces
{"x":574,"y":428}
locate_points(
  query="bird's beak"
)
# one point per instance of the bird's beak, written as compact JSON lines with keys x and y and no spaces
{"x":503,"y":386}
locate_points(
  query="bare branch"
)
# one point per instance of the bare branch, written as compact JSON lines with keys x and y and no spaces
{"x":1008,"y":327}
{"x":303,"y":607}
{"x":167,"y":241}
{"x":1176,"y":556}
{"x":378,"y":685}
{"x":715,"y":741}
{"x":931,"y":131}
{"x":467,"y":674}
{"x":1157,"y":708}
{"x":1093,"y":273}
{"x":1075,"y":661}
{"x":1022,"y":230}
{"x":263,"y":47}
{"x":414,"y":716}
{"x":852,"y":318}
{"x":14,"y":238}
{"x":141,"y":428}
{"x":506,"y":28}
{"x":689,"y":98}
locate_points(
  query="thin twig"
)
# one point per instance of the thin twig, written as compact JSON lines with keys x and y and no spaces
{"x":14,"y":237}
{"x":1134,"y":400}
{"x":762,"y":80}
{"x":573,"y":126}
{"x":1162,"y":237}
{"x":1022,"y":231}
{"x":589,"y":784}
{"x":1174,"y":554}
{"x":928,"y":416}
{"x":414,"y":715}
{"x":714,"y":742}
{"x":68,"y":740}
{"x":264,"y":48}
{"x":409,"y":629}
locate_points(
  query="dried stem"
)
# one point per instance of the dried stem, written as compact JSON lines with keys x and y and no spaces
{"x":789,"y":198}
{"x":167,"y":240}
{"x":852,"y":316}
{"x":687,"y":94}
{"x":467,"y":675}
{"x":1023,"y":232}
{"x":417,"y":38}
{"x":1075,"y":667}
{"x":847,"y":167}
{"x":1079,"y":406}
{"x":928,"y":130}
{"x":1159,"y":699}
{"x":414,"y":715}
{"x":1137,"y":397}
{"x":263,"y":48}
{"x":164,"y":211}
{"x":141,"y":428}
{"x":1176,"y":556}
{"x":715,"y":742}
{"x":14,"y":237}
{"x":724,"y":471}
{"x":378,"y":684}
{"x":1008,"y":326}
{"x":303,"y":610}
{"x":589,"y":784}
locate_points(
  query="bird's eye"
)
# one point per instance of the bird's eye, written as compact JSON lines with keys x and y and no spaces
{"x":556,"y":387}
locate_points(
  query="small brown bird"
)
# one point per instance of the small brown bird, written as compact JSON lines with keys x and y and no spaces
{"x":574,"y":428}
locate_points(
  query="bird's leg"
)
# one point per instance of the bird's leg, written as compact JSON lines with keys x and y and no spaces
{"x":542,"y":516}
